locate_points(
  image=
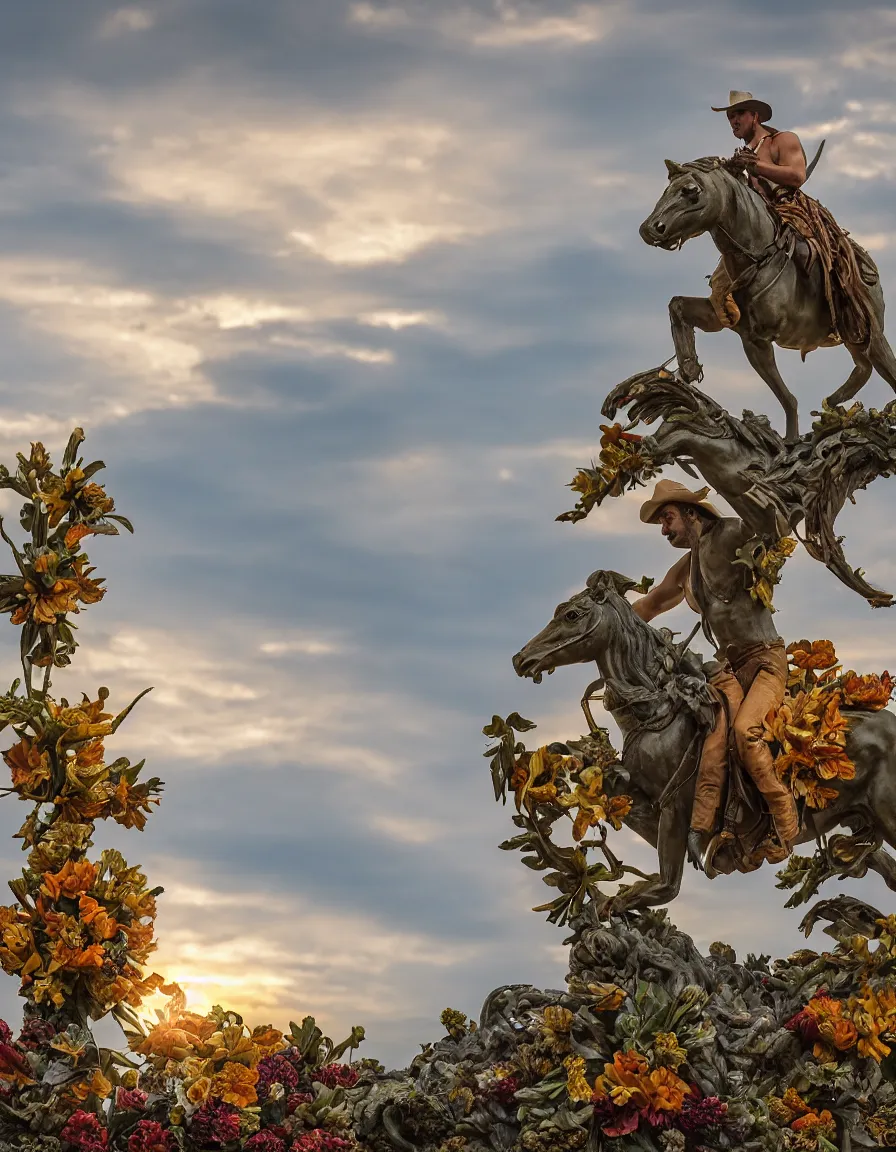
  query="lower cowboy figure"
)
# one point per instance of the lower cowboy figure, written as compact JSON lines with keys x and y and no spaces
{"x":753,"y":675}
{"x":774,"y":165}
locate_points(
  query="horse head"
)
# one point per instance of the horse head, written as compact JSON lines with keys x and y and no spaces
{"x":580,"y":627}
{"x":689,"y":207}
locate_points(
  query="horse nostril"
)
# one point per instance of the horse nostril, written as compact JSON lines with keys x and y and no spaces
{"x":660,"y":227}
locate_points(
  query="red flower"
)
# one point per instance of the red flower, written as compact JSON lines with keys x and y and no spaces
{"x":131,"y":1099}
{"x":337,"y":1076}
{"x":615,"y":1121}
{"x":805,"y":1024}
{"x":5,"y":1032}
{"x":35,"y":1034}
{"x":296,"y":1099}
{"x":149,"y":1136}
{"x":317,"y":1140}
{"x":84,"y":1132}
{"x":215,"y":1123}
{"x":264,"y":1142}
{"x":699,"y":1113}
{"x":275,"y":1070}
{"x":502,"y":1090}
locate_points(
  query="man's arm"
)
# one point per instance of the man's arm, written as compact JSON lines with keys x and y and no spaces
{"x":665,"y":595}
{"x":788,"y":163}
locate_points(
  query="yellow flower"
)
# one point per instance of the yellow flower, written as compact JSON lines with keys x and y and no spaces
{"x":667,"y":1051}
{"x":198,"y":1090}
{"x":577,"y":1086}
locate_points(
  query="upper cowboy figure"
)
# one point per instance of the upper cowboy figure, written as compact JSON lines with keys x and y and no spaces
{"x":770,"y":158}
{"x":774,"y":165}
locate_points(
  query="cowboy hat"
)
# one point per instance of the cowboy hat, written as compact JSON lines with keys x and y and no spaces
{"x":746,"y":100}
{"x":671,"y":492}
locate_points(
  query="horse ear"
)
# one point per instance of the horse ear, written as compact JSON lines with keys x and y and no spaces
{"x":674,"y":169}
{"x":599,"y":584}
{"x":603,"y":582}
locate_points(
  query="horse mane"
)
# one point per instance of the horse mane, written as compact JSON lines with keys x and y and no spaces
{"x":638,"y":660}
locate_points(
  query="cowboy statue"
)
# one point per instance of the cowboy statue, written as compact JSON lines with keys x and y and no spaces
{"x":750,"y":677}
{"x":789,"y":275}
{"x":774,"y":165}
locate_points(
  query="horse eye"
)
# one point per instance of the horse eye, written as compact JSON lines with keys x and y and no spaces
{"x":572,"y":614}
{"x":691,"y":191}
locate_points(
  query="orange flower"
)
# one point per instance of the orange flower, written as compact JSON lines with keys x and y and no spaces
{"x":168,"y":1042}
{"x":872,"y":692}
{"x":668,"y":1090}
{"x":29,"y":765}
{"x":72,"y":880}
{"x":88,"y":591}
{"x":76,"y":534}
{"x":63,"y":955}
{"x":268,"y":1040}
{"x":812,"y":654}
{"x":235,"y":1084}
{"x":104,"y":926}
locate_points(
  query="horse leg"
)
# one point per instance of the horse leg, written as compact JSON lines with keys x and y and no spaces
{"x":858,"y":378}
{"x":664,"y":886}
{"x":761,"y":354}
{"x":882,"y":358}
{"x":686,"y":314}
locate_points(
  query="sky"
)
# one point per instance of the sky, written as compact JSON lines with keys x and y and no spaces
{"x":336,"y":290}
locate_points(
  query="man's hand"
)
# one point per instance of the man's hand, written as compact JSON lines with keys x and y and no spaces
{"x":746,"y":158}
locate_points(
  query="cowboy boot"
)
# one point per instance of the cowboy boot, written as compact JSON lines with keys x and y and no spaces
{"x":781,"y":805}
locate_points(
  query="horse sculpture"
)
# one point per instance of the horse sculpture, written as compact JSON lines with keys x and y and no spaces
{"x":782,"y":298}
{"x":658,"y":697}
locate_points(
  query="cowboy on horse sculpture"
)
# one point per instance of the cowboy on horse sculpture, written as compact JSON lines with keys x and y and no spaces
{"x":788,"y":275}
{"x":697,"y":766}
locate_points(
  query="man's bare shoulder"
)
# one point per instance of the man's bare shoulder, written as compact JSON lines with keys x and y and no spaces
{"x":786,"y":142}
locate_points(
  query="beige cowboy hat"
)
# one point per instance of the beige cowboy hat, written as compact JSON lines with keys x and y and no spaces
{"x":671,"y":492}
{"x":747,"y":100}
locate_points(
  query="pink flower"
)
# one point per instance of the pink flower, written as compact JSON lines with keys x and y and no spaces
{"x":130,"y":1099}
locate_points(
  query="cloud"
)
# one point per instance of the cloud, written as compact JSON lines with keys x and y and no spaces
{"x":508,"y":25}
{"x":124,"y":20}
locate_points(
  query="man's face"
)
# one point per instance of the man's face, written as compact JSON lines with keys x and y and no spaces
{"x":679,"y":529}
{"x":743,"y":123}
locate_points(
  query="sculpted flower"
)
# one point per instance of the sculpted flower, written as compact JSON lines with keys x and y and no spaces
{"x":667,"y":1052}
{"x":29,"y":765}
{"x":198,"y":1091}
{"x":812,"y":654}
{"x":607,"y":997}
{"x":235,"y":1084}
{"x":577,"y":1087}
{"x":73,"y":879}
{"x":871,"y":692}
{"x":168,"y":1042}
{"x":150,"y":1136}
